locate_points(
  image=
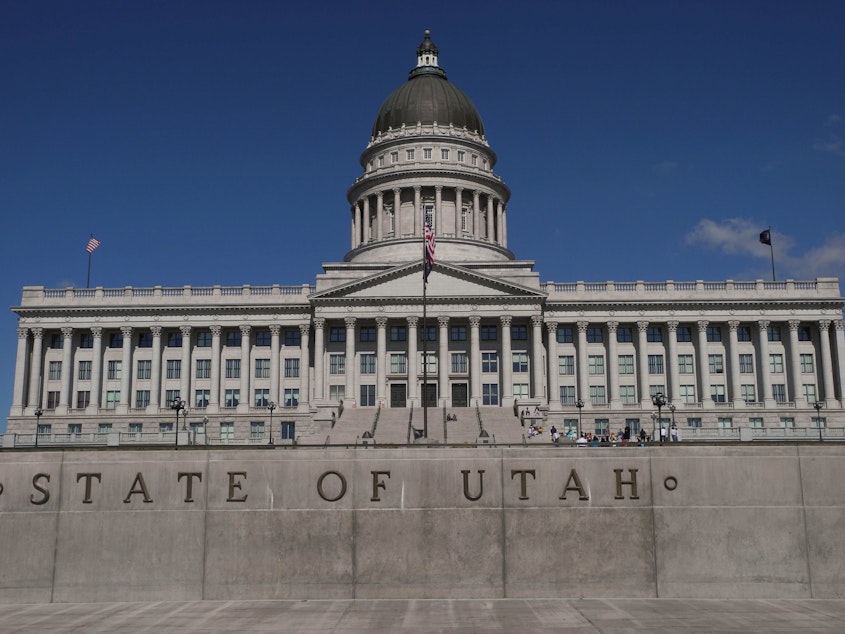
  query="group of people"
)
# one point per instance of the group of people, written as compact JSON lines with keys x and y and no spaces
{"x":622,"y":437}
{"x":451,"y":417}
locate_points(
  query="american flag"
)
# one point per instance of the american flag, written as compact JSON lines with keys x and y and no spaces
{"x":93,"y":243}
{"x":429,"y":251}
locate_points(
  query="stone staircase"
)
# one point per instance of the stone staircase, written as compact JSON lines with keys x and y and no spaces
{"x":352,"y":425}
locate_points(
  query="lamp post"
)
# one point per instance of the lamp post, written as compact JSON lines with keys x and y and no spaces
{"x":38,"y":413}
{"x":819,"y":405}
{"x":653,"y":425}
{"x":659,"y":401}
{"x":177,"y":405}
{"x":671,"y":429}
{"x":271,"y":406}
{"x":580,"y":405}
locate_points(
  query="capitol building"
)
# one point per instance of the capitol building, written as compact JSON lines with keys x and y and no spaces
{"x":371,"y":351}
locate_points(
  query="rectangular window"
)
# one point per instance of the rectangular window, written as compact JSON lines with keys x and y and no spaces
{"x":233,"y":368}
{"x":337,"y":392}
{"x":145,"y":369}
{"x":725,"y":423}
{"x":807,"y":365}
{"x":628,"y":394}
{"x":292,"y":396}
{"x":367,"y":333}
{"x":654,"y":334}
{"x":685,"y":364}
{"x":136,"y":428}
{"x":174,"y":339}
{"x":261,"y":397}
{"x":693,"y":422}
{"x":368,"y":396}
{"x":142,"y":399}
{"x":83,"y":399}
{"x":520,"y":362}
{"x":489,"y":361}
{"x":171,"y":395}
{"x":201,"y":398}
{"x":746,"y":364}
{"x":519,"y":333}
{"x":394,"y":157}
{"x":227,"y":431}
{"x":86,"y":340}
{"x":368,"y":364}
{"x":256,"y":430}
{"x":444,"y":154}
{"x":291,"y":368}
{"x":430,"y":359}
{"x":655,"y":364}
{"x":174,"y":368}
{"x":755,"y":423}
{"x":145,"y":340}
{"x":717,"y":393}
{"x":398,"y":333}
{"x":624,"y":334}
{"x":293,"y":338}
{"x":458,"y":333}
{"x":595,"y":334}
{"x":115,"y":340}
{"x":459,"y":362}
{"x":232,"y":398}
{"x":461,"y":156}
{"x":566,"y":365}
{"x":520,"y":391}
{"x":567,"y":394}
{"x":474,"y":160}
{"x":432,"y":333}
{"x":336,"y":334}
{"x":203,"y":369}
{"x":262,"y":368}
{"x":165,"y":427}
{"x":809,"y":392}
{"x":787,"y":422}
{"x":104,"y":428}
{"x":626,"y":364}
{"x":337,"y":364}
{"x":488,"y":333}
{"x":55,"y":370}
{"x":748,"y":393}
{"x":112,"y":399}
{"x":263,"y":338}
{"x":288,"y":430}
{"x":687,"y":393}
{"x":716,"y":362}
{"x":398,"y":363}
{"x":595,"y":364}
{"x":409,"y":155}
{"x":683,"y":334}
{"x":427,"y":153}
{"x":714,"y":333}
{"x":564,"y":334}
{"x":804,"y":333}
{"x":597,"y":396}
{"x":773,"y":333}
{"x":204,"y":339}
{"x":115,"y":370}
{"x":602,"y":426}
{"x":743,"y":333}
{"x":490,"y":394}
{"x":776,"y":363}
{"x":656,"y":389}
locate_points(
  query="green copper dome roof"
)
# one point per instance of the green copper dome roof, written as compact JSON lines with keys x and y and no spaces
{"x":427,"y":97}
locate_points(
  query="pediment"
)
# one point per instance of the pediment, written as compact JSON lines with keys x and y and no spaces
{"x":445,"y":281}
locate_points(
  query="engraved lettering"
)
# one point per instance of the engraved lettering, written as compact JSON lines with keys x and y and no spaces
{"x":523,"y":485}
{"x":236,"y":485}
{"x":138,"y":487}
{"x":573,"y":483}
{"x":40,"y":488}
{"x":632,"y":482}
{"x":88,"y":477}
{"x":378,"y":484}
{"x":322,"y":492}
{"x":189,"y":485}
{"x":670,"y":483}
{"x":467,"y":494}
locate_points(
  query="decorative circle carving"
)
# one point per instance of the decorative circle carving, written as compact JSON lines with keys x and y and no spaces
{"x":670,"y":483}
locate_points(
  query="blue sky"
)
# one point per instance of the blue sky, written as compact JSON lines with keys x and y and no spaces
{"x":210,"y":142}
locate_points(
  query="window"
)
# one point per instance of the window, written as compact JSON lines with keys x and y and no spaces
{"x":394,"y":157}
{"x":165,"y":427}
{"x":145,"y":340}
{"x":716,"y":362}
{"x":488,"y":333}
{"x":293,"y":338}
{"x":748,"y":393}
{"x":337,"y":392}
{"x":458,"y":333}
{"x":112,"y":399}
{"x":256,"y":430}
{"x":409,"y":155}
{"x":567,"y":394}
{"x":626,"y":364}
{"x":174,"y":368}
{"x":204,"y":339}
{"x":288,"y":430}
{"x":595,"y":364}
{"x":86,"y":340}
{"x":520,"y":362}
{"x":628,"y":394}
{"x":367,"y":333}
{"x":261,"y":397}
{"x":693,"y":422}
{"x":804,"y":333}
{"x":263,"y":338}
{"x":714,"y":333}
{"x":233,"y":368}
{"x":145,"y":369}
{"x":683,"y":334}
{"x":624,"y":334}
{"x":203,"y":369}
{"x":489,"y":362}
{"x":595,"y":334}
{"x":564,"y":334}
{"x":44,"y":429}
{"x":55,"y":370}
{"x":787,"y":422}
{"x":201,"y":398}
{"x":171,"y":395}
{"x":336,"y":334}
{"x":654,"y":334}
{"x":444,"y":154}
{"x":461,"y":156}
{"x":520,"y":391}
{"x":368,"y":364}
{"x":104,"y":428}
{"x":755,"y":423}
{"x":115,"y":369}
{"x":656,"y":389}
{"x":685,"y":364}
{"x":291,"y":396}
{"x":773,"y":332}
{"x":142,"y":399}
{"x":399,"y":363}
{"x":809,"y":390}
{"x":368,"y":396}
{"x":602,"y":426}
{"x":398,"y":333}
{"x":519,"y":333}
{"x":474,"y":160}
{"x":430,"y":360}
{"x":597,"y":396}
{"x":432,"y":333}
{"x":232,"y":398}
{"x":725,"y":423}
{"x":291,"y":368}
{"x":779,"y":392}
{"x":174,"y":339}
{"x":115,"y":341}
{"x":566,"y":365}
{"x":262,"y":368}
{"x":337,"y":364}
{"x":490,"y":394}
{"x":381,"y":160}
{"x":427,"y":153}
{"x":227,"y":431}
{"x":717,"y":393}
{"x":84,"y":373}
{"x":743,"y":333}
{"x":687,"y":393}
{"x":459,"y":362}
{"x":136,"y":428}
{"x":776,"y":363}
{"x":807,"y":363}
{"x":83,"y":399}
{"x":746,"y":364}
{"x":655,"y":364}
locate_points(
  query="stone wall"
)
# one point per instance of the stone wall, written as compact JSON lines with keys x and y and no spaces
{"x":674,"y":521}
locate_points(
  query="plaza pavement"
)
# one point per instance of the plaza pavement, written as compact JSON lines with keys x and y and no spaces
{"x":430,"y":616}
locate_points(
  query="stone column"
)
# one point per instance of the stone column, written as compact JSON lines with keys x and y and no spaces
{"x":397,"y":207}
{"x":583,"y":374}
{"x":18,"y":400}
{"x":355,"y":225}
{"x":381,"y":360}
{"x":459,"y":203}
{"x":642,"y":363}
{"x":474,"y":361}
{"x":839,"y":333}
{"x":504,"y":239}
{"x":319,"y":358}
{"x":418,"y":220}
{"x":475,"y":231}
{"x":795,"y":365}
{"x":538,"y":384}
{"x":491,"y":232}
{"x":275,"y":362}
{"x":827,"y":365}
{"x":96,"y":370}
{"x":367,"y":228}
{"x":185,"y":369}
{"x":438,"y":209}
{"x":507,"y":361}
{"x":443,"y":364}
{"x":126,"y":369}
{"x":764,"y":373}
{"x":304,"y":368}
{"x":412,"y":360}
{"x":65,"y":398}
{"x":553,"y":374}
{"x":672,"y":362}
{"x":736,"y":391}
{"x":155,"y":371}
{"x":613,"y":365}
{"x":350,"y":397}
{"x":245,"y":401}
{"x":379,"y":216}
{"x":34,"y":399}
{"x":214,"y":395}
{"x":704,"y":366}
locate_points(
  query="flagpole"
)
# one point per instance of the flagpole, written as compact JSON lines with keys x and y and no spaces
{"x":88,"y":279}
{"x":772,"y":250}
{"x":425,"y":340}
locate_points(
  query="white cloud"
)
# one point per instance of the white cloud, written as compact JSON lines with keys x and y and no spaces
{"x":833,"y":146}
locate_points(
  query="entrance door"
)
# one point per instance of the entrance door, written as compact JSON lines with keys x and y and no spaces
{"x":430,"y":394}
{"x":459,"y":395}
{"x":397,"y":394}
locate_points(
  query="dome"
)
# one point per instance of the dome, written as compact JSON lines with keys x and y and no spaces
{"x":427,"y":97}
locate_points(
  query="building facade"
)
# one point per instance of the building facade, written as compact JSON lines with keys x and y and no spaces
{"x":249,"y":361}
